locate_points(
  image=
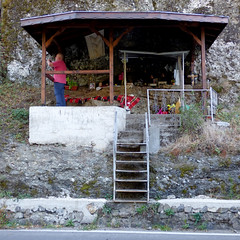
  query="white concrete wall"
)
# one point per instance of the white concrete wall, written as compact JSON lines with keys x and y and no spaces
{"x":81,"y":126}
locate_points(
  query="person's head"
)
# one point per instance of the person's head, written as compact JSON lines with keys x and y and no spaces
{"x":59,"y":57}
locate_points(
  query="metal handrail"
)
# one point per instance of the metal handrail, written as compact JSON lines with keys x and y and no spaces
{"x":114,"y":155}
{"x":147,"y":151}
{"x":177,"y":90}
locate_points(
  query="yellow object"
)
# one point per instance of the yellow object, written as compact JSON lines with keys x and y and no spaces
{"x":178,"y":105}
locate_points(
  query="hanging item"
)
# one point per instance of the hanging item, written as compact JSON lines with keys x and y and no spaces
{"x":155,"y":105}
{"x":95,"y":45}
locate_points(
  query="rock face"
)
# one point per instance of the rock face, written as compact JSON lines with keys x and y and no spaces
{"x":62,"y":171}
{"x":24,"y":54}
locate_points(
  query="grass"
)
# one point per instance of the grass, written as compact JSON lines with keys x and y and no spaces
{"x":69,"y":223}
{"x":164,"y":228}
{"x":142,"y":209}
{"x":15,"y":100}
{"x":203,"y":136}
{"x":212,"y":141}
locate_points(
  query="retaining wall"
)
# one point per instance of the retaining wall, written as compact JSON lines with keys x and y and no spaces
{"x":82,"y":126}
{"x":167,"y":214}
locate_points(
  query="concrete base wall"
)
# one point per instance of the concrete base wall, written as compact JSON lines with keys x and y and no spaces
{"x":193,"y":214}
{"x":82,"y":126}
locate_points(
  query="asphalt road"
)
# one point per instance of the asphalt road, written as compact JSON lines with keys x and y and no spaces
{"x":110,"y":235}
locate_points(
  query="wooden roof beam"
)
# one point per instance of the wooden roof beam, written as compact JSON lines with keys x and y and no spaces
{"x":49,"y":41}
{"x":184,"y":29}
{"x":92,"y":28}
{"x":115,"y":43}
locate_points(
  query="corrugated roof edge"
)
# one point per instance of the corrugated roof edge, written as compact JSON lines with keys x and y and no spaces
{"x":123,"y":15}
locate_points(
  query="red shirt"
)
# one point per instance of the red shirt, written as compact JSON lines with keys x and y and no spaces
{"x":59,"y":66}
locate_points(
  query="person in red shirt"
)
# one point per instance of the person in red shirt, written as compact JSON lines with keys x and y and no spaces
{"x":59,"y":79}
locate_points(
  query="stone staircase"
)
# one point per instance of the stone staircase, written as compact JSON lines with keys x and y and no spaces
{"x":131,"y":155}
{"x":131,"y":162}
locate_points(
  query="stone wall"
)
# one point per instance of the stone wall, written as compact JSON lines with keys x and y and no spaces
{"x":24,"y":54}
{"x":170,"y":214}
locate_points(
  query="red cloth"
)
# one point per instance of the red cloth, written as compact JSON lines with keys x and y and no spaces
{"x":131,"y":101}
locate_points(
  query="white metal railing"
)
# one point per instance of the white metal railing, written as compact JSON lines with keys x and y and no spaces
{"x":212,"y":100}
{"x":114,"y":155}
{"x":147,"y":151}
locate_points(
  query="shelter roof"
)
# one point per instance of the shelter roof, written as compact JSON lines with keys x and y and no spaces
{"x":85,"y":20}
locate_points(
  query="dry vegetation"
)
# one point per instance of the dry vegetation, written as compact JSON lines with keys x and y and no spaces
{"x":211,"y":139}
{"x":15,"y":100}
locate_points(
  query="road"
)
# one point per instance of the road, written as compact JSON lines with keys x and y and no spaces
{"x":110,"y":235}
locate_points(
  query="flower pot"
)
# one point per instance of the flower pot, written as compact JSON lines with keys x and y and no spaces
{"x":74,"y":88}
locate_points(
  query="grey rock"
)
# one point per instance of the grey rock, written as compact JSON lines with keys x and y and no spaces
{"x":188,"y":209}
{"x":222,"y":210}
{"x":41,"y":209}
{"x":18,"y":209}
{"x":204,"y":209}
{"x":233,"y":209}
{"x":19,"y":215}
{"x":181,"y":208}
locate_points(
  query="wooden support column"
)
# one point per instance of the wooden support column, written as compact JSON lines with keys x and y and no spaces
{"x":193,"y":56}
{"x":43,"y":75}
{"x":203,"y":62}
{"x":111,"y":64}
{"x":203,"y":58}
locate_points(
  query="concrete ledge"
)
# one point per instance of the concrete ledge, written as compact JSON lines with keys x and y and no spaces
{"x":81,"y":126}
{"x":198,"y":203}
{"x":53,"y":210}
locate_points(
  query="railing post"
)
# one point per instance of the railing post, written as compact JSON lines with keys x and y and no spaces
{"x":148,"y":108}
{"x":147,"y":150}
{"x":114,"y":155}
{"x":211,"y":102}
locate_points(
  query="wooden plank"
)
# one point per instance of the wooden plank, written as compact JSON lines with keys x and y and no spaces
{"x":79,"y":72}
{"x":92,"y":28}
{"x":203,"y":58}
{"x":184,"y":29}
{"x":193,"y":56}
{"x":115,"y":43}
{"x":49,"y":41}
{"x":203,"y":66}
{"x":111,"y":65}
{"x":43,"y":73}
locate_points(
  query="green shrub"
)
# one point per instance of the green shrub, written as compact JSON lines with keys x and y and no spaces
{"x":142,"y":209}
{"x":191,"y":119}
{"x":69,"y":223}
{"x":169,"y":212}
{"x":20,"y":114}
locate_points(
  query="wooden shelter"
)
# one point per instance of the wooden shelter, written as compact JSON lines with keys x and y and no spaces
{"x":56,"y":31}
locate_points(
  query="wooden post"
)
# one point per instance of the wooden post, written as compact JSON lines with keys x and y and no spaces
{"x":193,"y":56}
{"x":111,"y":63}
{"x":203,"y":58}
{"x":43,"y":75}
{"x":203,"y":62}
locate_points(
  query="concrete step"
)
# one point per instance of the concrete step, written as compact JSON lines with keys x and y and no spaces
{"x":130,"y":137}
{"x":135,"y":121}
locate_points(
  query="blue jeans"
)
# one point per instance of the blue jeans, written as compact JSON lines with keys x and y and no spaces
{"x":59,"y":94}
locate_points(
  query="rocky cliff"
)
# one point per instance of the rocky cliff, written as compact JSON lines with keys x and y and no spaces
{"x":23,"y":54}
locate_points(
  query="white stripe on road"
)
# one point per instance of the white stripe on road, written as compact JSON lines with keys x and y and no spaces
{"x":127,"y":232}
